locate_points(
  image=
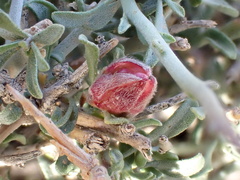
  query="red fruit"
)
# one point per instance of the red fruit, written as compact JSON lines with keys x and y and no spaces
{"x":124,"y":88}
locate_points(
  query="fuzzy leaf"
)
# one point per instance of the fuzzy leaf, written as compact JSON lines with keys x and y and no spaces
{"x":149,"y":7}
{"x":178,"y":9}
{"x":81,"y":6}
{"x":143,"y":175}
{"x":41,"y":62}
{"x":71,"y":121}
{"x":124,"y":24}
{"x":42,"y":9}
{"x":179,"y":168}
{"x":166,"y":156}
{"x":231,"y":29}
{"x":93,"y":19}
{"x":140,"y":160}
{"x":150,"y":58}
{"x":91,"y":55}
{"x":32,"y":77}
{"x":63,"y":165}
{"x":116,"y":160}
{"x":146,"y":123}
{"x":220,"y":41}
{"x":222,"y":6}
{"x":9,"y":28}
{"x":177,"y":123}
{"x":199,"y":112}
{"x":7,"y":47}
{"x":60,"y":121}
{"x":208,"y":160}
{"x":15,"y":137}
{"x":6,"y":55}
{"x":195,"y":3}
{"x":49,"y":35}
{"x":10,"y":114}
{"x":168,"y":38}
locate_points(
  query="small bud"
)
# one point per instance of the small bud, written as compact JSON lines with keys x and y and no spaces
{"x":124,"y":88}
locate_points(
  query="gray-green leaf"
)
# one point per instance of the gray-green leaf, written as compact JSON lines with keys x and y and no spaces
{"x":177,"y":123}
{"x":168,"y":37}
{"x":124,"y":24}
{"x":32,"y":77}
{"x":93,"y":19}
{"x":63,"y":165}
{"x":49,"y":35}
{"x":199,"y":112}
{"x":41,"y":62}
{"x":195,"y":3}
{"x":42,"y":9}
{"x":7,"y":54}
{"x":15,"y":137}
{"x":7,"y":47}
{"x":178,"y":9}
{"x":208,"y":159}
{"x":220,"y":41}
{"x":222,"y":6}
{"x":8,"y":26}
{"x":91,"y":55}
{"x":146,"y":123}
{"x":10,"y":114}
{"x":179,"y":168}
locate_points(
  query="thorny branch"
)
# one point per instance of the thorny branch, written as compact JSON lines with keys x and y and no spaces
{"x":85,"y":161}
{"x":188,"y":24}
{"x":73,"y":80}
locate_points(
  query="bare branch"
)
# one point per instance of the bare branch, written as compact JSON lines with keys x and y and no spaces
{"x":18,"y":159}
{"x":86,"y":161}
{"x":136,"y":140}
{"x":93,"y":142}
{"x":179,"y":98}
{"x":188,"y":24}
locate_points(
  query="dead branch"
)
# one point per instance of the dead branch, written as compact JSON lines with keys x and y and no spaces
{"x":18,"y":159}
{"x":85,"y":161}
{"x":188,"y":24}
{"x":136,"y":140}
{"x":179,"y":98}
{"x":93,"y":142}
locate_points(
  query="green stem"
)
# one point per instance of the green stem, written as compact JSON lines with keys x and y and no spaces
{"x":15,"y":11}
{"x":217,"y":121}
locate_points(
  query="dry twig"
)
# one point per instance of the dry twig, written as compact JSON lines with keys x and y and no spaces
{"x":85,"y":161}
{"x":188,"y":24}
{"x":18,"y":159}
{"x":136,"y":140}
